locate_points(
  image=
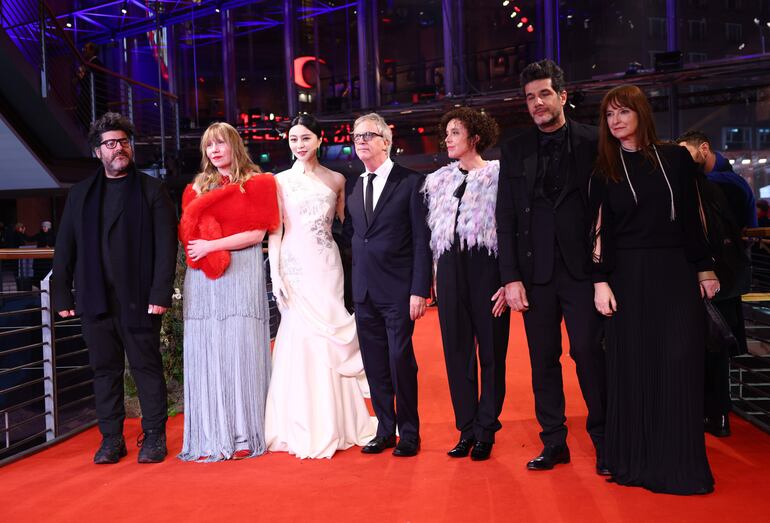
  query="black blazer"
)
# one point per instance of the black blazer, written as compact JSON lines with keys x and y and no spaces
{"x":154,"y":255}
{"x":515,"y":192}
{"x":391,"y":256}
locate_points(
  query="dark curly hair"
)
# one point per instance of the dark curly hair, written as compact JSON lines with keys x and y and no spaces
{"x":109,"y":122}
{"x":542,"y":70}
{"x":476,"y":123}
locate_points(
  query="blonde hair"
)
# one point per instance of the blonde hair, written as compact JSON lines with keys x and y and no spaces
{"x":241,"y":166}
{"x":382,"y":127}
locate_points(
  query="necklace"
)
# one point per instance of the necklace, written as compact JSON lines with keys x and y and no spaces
{"x":665,"y":177}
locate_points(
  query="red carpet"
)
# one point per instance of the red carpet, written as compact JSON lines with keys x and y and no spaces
{"x":61,"y":484}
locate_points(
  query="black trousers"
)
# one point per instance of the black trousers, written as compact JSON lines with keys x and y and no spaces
{"x":716,"y":399}
{"x":109,"y":343}
{"x":571,"y":299}
{"x":385,"y":334}
{"x":466,"y":280}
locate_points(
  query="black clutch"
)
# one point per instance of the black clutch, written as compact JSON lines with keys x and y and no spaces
{"x":719,"y":336}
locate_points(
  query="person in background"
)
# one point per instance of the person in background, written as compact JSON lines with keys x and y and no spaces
{"x":728,"y":207}
{"x":763,"y":214}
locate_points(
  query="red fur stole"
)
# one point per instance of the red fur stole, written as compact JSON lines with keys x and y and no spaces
{"x":224,"y":212}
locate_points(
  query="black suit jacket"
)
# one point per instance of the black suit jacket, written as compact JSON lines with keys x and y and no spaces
{"x":391,"y":256}
{"x":154,"y":254}
{"x":571,"y":221}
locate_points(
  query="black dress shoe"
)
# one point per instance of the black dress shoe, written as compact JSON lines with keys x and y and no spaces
{"x":481,"y":450}
{"x":152,"y":444}
{"x":462,"y":449}
{"x":407,"y":448}
{"x":379,"y":443}
{"x":111,"y":450}
{"x":718,"y":426}
{"x":551,"y":456}
{"x":602,"y":469}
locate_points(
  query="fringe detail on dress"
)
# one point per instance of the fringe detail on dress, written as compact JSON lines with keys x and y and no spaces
{"x":476,"y":224}
{"x":226,"y":360}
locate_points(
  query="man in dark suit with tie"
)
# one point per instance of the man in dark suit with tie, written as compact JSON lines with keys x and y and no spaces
{"x":385,"y":219}
{"x":543,"y":230}
{"x":117,"y":241}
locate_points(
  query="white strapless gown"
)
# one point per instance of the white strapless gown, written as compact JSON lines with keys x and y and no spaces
{"x":315,"y":403}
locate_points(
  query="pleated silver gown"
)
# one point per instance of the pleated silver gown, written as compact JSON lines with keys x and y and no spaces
{"x":226,"y":360}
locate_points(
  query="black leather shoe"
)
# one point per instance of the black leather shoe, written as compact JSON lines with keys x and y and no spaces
{"x":551,"y":456}
{"x":406,"y":449}
{"x":152,"y":446}
{"x":718,"y":426}
{"x":111,"y":450}
{"x":602,"y":469}
{"x":462,"y":449}
{"x":379,"y":443}
{"x":481,"y":450}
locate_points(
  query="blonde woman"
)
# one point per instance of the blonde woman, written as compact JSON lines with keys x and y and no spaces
{"x":226,"y":212}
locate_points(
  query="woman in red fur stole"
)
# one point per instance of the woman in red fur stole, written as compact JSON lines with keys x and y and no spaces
{"x":226,"y":213}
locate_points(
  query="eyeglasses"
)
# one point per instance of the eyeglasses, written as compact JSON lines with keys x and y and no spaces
{"x":113,"y":142}
{"x":364,"y":137}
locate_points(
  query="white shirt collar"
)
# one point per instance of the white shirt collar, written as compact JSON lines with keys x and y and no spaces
{"x":382,"y":171}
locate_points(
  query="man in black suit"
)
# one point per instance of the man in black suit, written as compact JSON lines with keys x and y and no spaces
{"x":117,"y":240}
{"x":385,"y":218}
{"x":543,"y":230}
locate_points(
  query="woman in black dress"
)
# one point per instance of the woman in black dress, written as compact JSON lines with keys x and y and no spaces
{"x":651,"y":269}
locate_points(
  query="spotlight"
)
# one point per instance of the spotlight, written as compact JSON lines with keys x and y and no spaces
{"x":124,"y":8}
{"x":762,"y":161}
{"x":68,"y":24}
{"x":745,"y":161}
{"x":513,"y":15}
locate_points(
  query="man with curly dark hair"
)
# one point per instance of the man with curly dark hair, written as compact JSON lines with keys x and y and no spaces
{"x":117,"y":241}
{"x":543,"y":226}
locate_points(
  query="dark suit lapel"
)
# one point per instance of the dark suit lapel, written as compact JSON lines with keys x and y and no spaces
{"x":394,"y":178}
{"x":356,"y":201}
{"x":529,"y":151}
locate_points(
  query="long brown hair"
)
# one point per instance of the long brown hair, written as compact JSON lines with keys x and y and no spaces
{"x":241,"y":166}
{"x":608,"y":160}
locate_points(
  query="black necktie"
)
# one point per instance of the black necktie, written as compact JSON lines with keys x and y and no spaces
{"x":369,"y":198}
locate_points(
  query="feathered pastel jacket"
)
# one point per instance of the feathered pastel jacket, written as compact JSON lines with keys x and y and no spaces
{"x":224,"y":212}
{"x":476,"y":225}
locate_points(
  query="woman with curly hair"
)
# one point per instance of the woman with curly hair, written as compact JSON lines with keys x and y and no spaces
{"x":226,"y":212}
{"x":473,"y":316}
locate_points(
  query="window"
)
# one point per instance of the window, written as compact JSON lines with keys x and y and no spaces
{"x":735,"y":138}
{"x":656,"y":28}
{"x":763,"y":138}
{"x":696,"y":29}
{"x":733,"y":32}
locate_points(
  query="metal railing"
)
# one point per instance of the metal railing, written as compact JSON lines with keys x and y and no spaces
{"x":86,"y":90}
{"x":45,"y":381}
{"x":750,"y":373}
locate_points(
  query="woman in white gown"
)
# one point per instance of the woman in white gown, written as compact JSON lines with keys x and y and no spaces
{"x":315,"y":403}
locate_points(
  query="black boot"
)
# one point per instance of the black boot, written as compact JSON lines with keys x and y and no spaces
{"x":113,"y":448}
{"x":153,"y":446}
{"x":719,"y":426}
